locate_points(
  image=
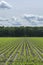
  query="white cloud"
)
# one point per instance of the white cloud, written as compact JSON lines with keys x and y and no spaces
{"x":13,"y":21}
{"x":26,"y":20}
{"x":5,"y":5}
{"x":34,"y":20}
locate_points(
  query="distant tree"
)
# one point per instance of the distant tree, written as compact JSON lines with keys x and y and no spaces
{"x":21,"y":31}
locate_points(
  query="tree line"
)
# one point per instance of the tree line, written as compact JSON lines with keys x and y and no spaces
{"x":21,"y":31}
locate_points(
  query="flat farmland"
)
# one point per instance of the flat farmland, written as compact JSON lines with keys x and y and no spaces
{"x":21,"y":51}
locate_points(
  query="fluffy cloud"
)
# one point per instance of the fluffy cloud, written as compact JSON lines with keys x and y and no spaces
{"x":5,"y":5}
{"x":26,"y":20}
{"x":13,"y":21}
{"x":34,"y":20}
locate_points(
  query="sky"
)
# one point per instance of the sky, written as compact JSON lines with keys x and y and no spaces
{"x":21,"y":12}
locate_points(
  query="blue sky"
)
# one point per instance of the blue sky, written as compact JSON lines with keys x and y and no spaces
{"x":21,"y":7}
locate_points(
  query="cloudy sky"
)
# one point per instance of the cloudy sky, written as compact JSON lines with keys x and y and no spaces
{"x":21,"y":12}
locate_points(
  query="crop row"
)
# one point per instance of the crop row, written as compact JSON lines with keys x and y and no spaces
{"x":20,"y":50}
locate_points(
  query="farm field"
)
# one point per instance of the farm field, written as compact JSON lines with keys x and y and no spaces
{"x":21,"y":51}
